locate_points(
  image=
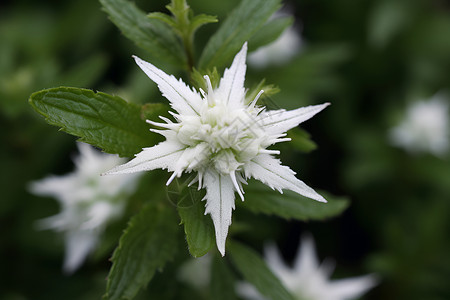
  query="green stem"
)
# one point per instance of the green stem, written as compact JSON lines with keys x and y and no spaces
{"x":188,"y":48}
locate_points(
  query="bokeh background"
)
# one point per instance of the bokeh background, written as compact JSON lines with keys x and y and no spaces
{"x":369,"y":58}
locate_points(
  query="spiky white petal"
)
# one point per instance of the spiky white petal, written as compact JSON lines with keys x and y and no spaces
{"x":184,"y":100}
{"x":222,"y":137}
{"x":269,"y":170}
{"x":279,"y":121}
{"x":78,"y":245}
{"x":162,"y":156}
{"x":219,"y":204}
{"x":231,"y":86}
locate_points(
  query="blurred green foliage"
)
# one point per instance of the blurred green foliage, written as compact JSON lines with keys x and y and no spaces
{"x":368,"y":58}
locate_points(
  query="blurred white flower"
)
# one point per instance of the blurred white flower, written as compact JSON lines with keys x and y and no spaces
{"x":279,"y":52}
{"x":424,"y":127}
{"x":88,"y":202}
{"x":197,"y":272}
{"x":223,"y":137}
{"x":307,"y":279}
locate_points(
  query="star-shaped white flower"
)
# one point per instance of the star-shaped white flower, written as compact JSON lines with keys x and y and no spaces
{"x":88,"y":202}
{"x":223,"y":137}
{"x":425,"y":127}
{"x":307,"y":279}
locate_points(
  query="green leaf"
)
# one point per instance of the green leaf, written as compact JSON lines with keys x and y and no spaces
{"x":151,"y":34}
{"x":105,"y":121}
{"x":198,"y":227}
{"x":184,"y":24}
{"x":163,"y":17}
{"x":255,"y":271}
{"x":269,"y":32}
{"x":289,"y":205}
{"x":200,"y":82}
{"x":200,"y":20}
{"x":146,"y":245}
{"x":241,"y":24}
{"x":269,"y":90}
{"x":223,"y":282}
{"x":301,"y":140}
{"x":151,"y":111}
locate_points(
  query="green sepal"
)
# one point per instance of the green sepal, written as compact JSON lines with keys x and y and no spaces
{"x":146,"y":245}
{"x":150,"y":34}
{"x":254,"y":270}
{"x":105,"y":121}
{"x":289,"y":205}
{"x":243,"y":22}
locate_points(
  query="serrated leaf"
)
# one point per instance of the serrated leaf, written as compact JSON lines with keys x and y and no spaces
{"x":198,"y":227}
{"x":223,"y":282}
{"x":105,"y":121}
{"x":289,"y":205}
{"x":269,"y":32}
{"x":255,"y":271}
{"x":150,"y":34}
{"x":246,"y":19}
{"x":146,"y":245}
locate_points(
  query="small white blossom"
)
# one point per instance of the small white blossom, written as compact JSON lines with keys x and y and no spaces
{"x":279,"y":52}
{"x":307,"y":280}
{"x":425,"y":127}
{"x":223,"y":137}
{"x":197,"y":272}
{"x":88,"y":202}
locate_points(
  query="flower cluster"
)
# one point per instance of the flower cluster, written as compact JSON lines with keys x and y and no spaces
{"x":425,"y":127}
{"x":224,"y":137}
{"x":307,"y":280}
{"x":88,"y":202}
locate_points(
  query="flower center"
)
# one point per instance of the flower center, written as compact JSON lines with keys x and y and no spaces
{"x":228,"y":138}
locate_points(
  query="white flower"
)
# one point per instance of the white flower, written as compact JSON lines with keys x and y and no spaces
{"x":88,"y":202}
{"x":424,"y":128}
{"x":279,"y":52}
{"x":197,"y":272}
{"x":307,"y":280}
{"x":223,"y":137}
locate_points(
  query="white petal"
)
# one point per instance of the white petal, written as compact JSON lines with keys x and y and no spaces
{"x":306,"y":260}
{"x":275,"y":261}
{"x":60,"y":187}
{"x":351,"y":288}
{"x":219,"y":204}
{"x":270,"y":171}
{"x":162,"y":156}
{"x":184,"y":100}
{"x":231,"y":86}
{"x":79,"y":244}
{"x":279,"y":121}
